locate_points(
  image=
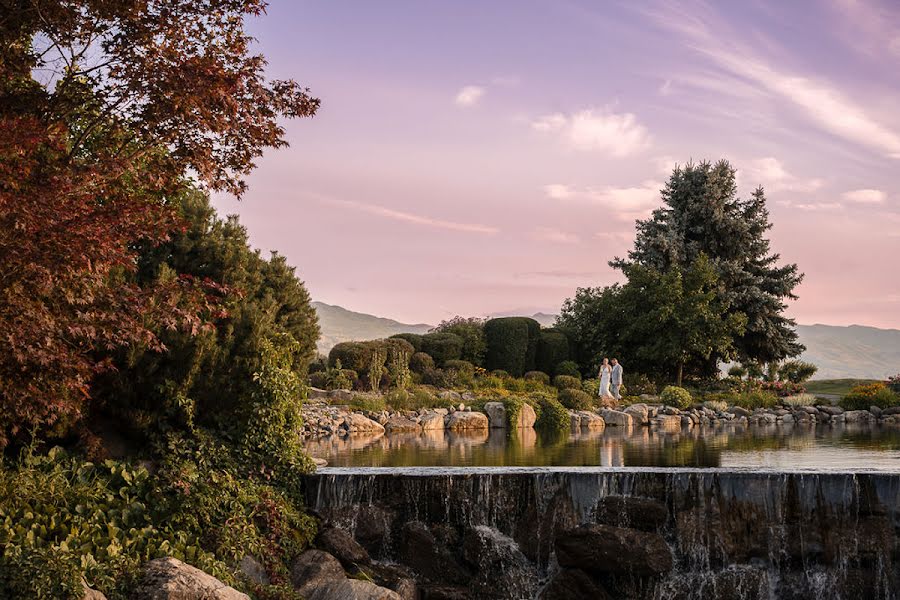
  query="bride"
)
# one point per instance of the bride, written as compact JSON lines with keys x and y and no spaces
{"x":605,"y":375}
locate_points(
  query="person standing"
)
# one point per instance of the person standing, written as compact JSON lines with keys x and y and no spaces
{"x":616,"y":377}
{"x":605,"y":375}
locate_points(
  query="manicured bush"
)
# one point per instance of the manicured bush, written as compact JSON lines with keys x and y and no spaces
{"x":591,"y":386}
{"x":676,"y":396}
{"x":515,"y":385}
{"x":797,"y":371}
{"x":754,"y":399}
{"x":318,"y":365}
{"x":511,"y":344}
{"x":539,"y":376}
{"x":442,"y":346}
{"x":500,"y":374}
{"x":439,"y":378}
{"x":420,"y":362}
{"x":413,"y":338}
{"x":552,"y":349}
{"x":564,"y":382}
{"x":319,"y":379}
{"x":864,"y":396}
{"x":575,"y":399}
{"x":464,"y":367}
{"x":552,"y":416}
{"x":352,"y":355}
{"x":471,"y":332}
{"x":568,"y":367}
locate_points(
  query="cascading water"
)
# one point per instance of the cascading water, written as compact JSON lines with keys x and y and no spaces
{"x":635,"y":533}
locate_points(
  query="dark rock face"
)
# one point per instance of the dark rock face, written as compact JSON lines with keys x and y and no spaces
{"x":619,"y":533}
{"x":342,"y":546}
{"x":607,"y":549}
{"x":313,"y":568}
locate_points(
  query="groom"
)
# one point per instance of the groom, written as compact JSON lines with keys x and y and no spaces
{"x":616,"y":379}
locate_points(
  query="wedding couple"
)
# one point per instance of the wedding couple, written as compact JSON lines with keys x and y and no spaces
{"x":610,"y":379}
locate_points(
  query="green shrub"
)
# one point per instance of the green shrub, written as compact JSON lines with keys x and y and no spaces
{"x":568,"y":367}
{"x":797,"y":371}
{"x":716,"y":405}
{"x":464,"y":367}
{"x":350,"y":355}
{"x":515,"y":385}
{"x":737,"y":371}
{"x":511,"y":344}
{"x":500,"y":374}
{"x":471,"y":332}
{"x":490,"y":383}
{"x":513,"y":408}
{"x":591,"y":387}
{"x":563,"y":382}
{"x":676,"y":396}
{"x":638,"y":384}
{"x":552,"y":416}
{"x":864,"y":396}
{"x":414,"y":339}
{"x":439,"y":378}
{"x":374,"y":402}
{"x":420,"y":362}
{"x":799,"y":400}
{"x":552,"y":349}
{"x":319,"y":379}
{"x":412,"y":399}
{"x":753,"y":399}
{"x":539,"y":376}
{"x":442,"y":346}
{"x":575,"y":399}
{"x":318,"y":365}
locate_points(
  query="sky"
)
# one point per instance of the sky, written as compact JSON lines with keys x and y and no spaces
{"x":476,"y":158}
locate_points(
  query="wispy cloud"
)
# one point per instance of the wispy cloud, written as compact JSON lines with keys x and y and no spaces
{"x":820,"y":101}
{"x":626,"y":203}
{"x":817,"y":206}
{"x":865,"y":196}
{"x":551,"y":234}
{"x":771,"y":173}
{"x":558,"y":191}
{"x":597,"y":130}
{"x":469,"y":96}
{"x":407,"y":217}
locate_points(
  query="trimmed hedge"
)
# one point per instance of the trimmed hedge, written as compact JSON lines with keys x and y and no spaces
{"x":566,"y":382}
{"x":511,"y":344}
{"x":552,"y":349}
{"x":413,"y":338}
{"x":463,"y":366}
{"x":552,"y":416}
{"x":568,"y":367}
{"x":676,"y":396}
{"x":420,"y":362}
{"x":442,"y":346}
{"x":575,"y":399}
{"x":539,"y":376}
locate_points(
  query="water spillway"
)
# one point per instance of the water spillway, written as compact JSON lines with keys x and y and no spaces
{"x":622,"y":533}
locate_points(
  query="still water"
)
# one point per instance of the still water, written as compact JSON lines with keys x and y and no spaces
{"x":778,"y":447}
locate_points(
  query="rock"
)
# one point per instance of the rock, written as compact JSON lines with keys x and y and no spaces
{"x":253,"y":570}
{"x":316,"y":393}
{"x":831,"y":410}
{"x":527,"y":416}
{"x":575,"y":420}
{"x":875,"y":411}
{"x":591,"y":421}
{"x":667,"y":422}
{"x":420,"y":551}
{"x":640,"y":415}
{"x":450,"y":395}
{"x":392,"y":576}
{"x":894,"y":410}
{"x":812,"y":410}
{"x":406,"y":589}
{"x":320,"y":462}
{"x":608,"y":549}
{"x":500,"y":564}
{"x":460,"y":421}
{"x":373,"y":527}
{"x":356,"y":422}
{"x":858,"y":416}
{"x":787,"y":419}
{"x":343,"y":547}
{"x":496,"y":414}
{"x":91,"y":594}
{"x":351,"y":589}
{"x":312,"y":569}
{"x":340,"y":395}
{"x":569,"y":584}
{"x":431,"y":421}
{"x":740,"y":411}
{"x":616,"y":418}
{"x":445,"y":592}
{"x":645,"y":514}
{"x":400,"y":424}
{"x":171,"y":579}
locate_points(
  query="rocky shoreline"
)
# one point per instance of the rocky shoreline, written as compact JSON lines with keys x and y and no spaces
{"x":327,"y":414}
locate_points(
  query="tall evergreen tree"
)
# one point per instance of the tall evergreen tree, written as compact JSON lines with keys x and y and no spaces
{"x":702,"y":214}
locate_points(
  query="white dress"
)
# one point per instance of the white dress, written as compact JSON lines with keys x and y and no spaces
{"x":605,"y":374}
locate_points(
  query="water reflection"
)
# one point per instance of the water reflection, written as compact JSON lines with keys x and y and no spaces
{"x":825,"y":447}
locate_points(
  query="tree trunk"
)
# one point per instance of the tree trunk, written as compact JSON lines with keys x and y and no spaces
{"x":680,"y":373}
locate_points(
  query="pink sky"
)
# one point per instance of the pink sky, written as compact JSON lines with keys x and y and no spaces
{"x":475,"y":158}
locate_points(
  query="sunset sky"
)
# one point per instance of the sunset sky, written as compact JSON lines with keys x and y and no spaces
{"x":481,"y":157}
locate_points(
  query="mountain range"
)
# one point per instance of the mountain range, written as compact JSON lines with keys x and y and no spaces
{"x":854,"y":351}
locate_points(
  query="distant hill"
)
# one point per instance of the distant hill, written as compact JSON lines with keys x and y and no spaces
{"x":839,"y":352}
{"x":341,"y":325}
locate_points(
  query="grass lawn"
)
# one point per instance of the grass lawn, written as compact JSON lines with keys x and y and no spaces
{"x":834,"y":386}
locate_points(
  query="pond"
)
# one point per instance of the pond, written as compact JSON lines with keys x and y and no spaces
{"x":775,"y":447}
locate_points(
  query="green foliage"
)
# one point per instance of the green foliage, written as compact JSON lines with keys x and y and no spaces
{"x":500,"y":374}
{"x":511,"y":344}
{"x":515,"y":384}
{"x":513,"y":408}
{"x":420,"y":362}
{"x":62,"y":519}
{"x":676,"y":396}
{"x":398,"y":368}
{"x":638,"y":384}
{"x":750,"y":399}
{"x":540,"y":376}
{"x":375,"y":402}
{"x":738,"y":371}
{"x":552,"y":416}
{"x":463,"y":367}
{"x":799,"y":400}
{"x":575,"y":399}
{"x":376,"y":370}
{"x":552,"y":349}
{"x":567,"y":367}
{"x":862,"y":397}
{"x":591,"y":387}
{"x":414,"y":339}
{"x":564,"y":382}
{"x":797,"y":371}
{"x":716,"y":405}
{"x":471,"y":332}
{"x":702,"y":215}
{"x":412,"y":399}
{"x":442,"y":346}
{"x":439,"y":378}
{"x":374,"y":359}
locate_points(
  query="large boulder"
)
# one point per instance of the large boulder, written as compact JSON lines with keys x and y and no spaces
{"x":591,"y":421}
{"x":431,"y":421}
{"x":607,"y":549}
{"x":639,"y":412}
{"x":496,"y":414}
{"x":314,"y":393}
{"x":400,"y":424}
{"x":568,"y":584}
{"x":499,"y":564}
{"x":646,"y":514}
{"x":351,"y":589}
{"x":313,"y":569}
{"x":343,"y":547}
{"x":463,"y":420}
{"x":616,"y":418}
{"x":420,"y":550}
{"x":171,"y":579}
{"x":340,"y":395}
{"x":357,"y":423}
{"x":666,"y":422}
